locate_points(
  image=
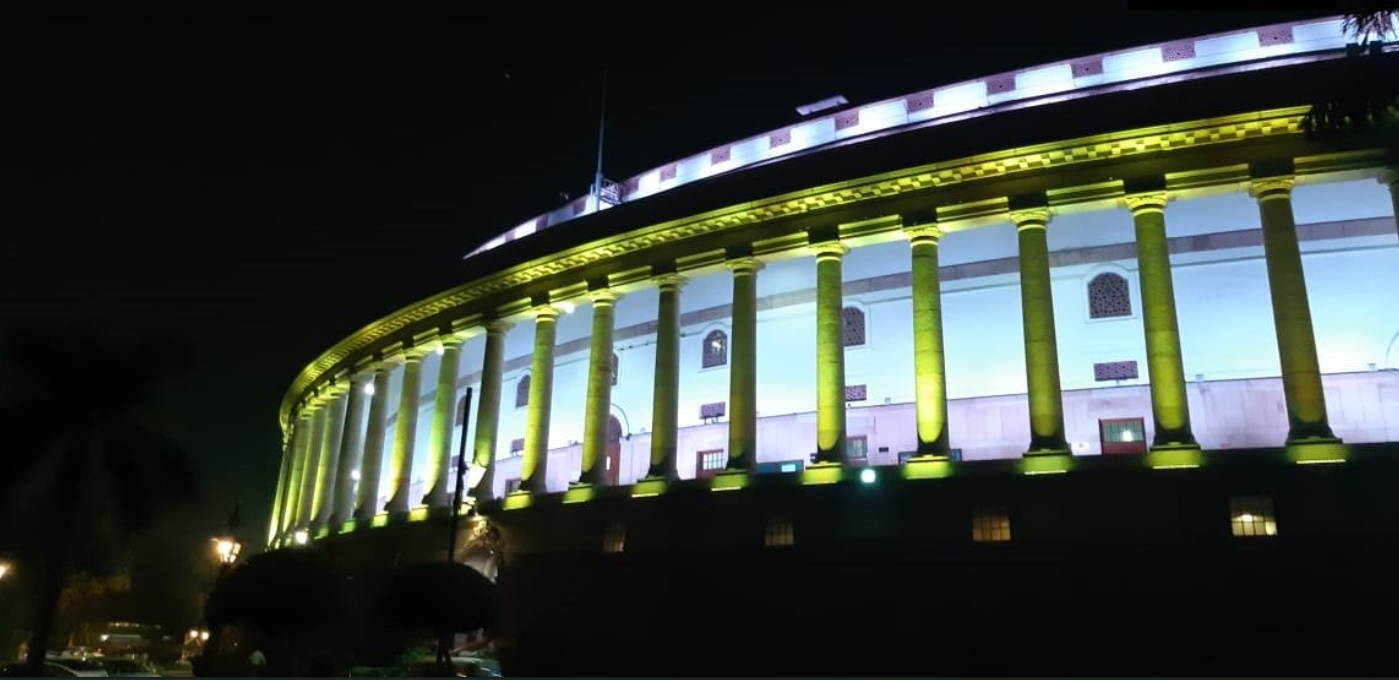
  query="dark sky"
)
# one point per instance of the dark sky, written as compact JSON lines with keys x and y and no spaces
{"x":266,"y":180}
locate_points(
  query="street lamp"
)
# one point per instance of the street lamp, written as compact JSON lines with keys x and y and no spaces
{"x":227,"y":549}
{"x":4,"y":569}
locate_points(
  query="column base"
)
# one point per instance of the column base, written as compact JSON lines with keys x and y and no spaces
{"x":516,"y":500}
{"x":580,"y":492}
{"x":928,"y":467}
{"x":1046,"y":462}
{"x":823,"y":473}
{"x":1175,"y":456}
{"x":729,"y":480}
{"x":654,"y":485}
{"x":1317,"y":450}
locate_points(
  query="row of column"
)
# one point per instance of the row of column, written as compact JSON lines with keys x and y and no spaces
{"x":323,"y":455}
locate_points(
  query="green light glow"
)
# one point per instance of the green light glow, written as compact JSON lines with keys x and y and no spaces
{"x":653,"y":486}
{"x":406,"y":434}
{"x":488,"y":410}
{"x":1041,"y":346}
{"x":929,"y":361}
{"x":580,"y":493}
{"x":928,"y":468}
{"x":822,"y":473}
{"x":597,"y":405}
{"x":729,"y":480}
{"x":1320,"y":452}
{"x":1047,"y":464}
{"x":517,"y":500}
{"x":535,"y":462}
{"x":439,"y":442}
{"x":830,"y":354}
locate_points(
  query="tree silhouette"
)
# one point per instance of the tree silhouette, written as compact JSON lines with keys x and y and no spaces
{"x":1366,"y":95}
{"x":80,"y":470}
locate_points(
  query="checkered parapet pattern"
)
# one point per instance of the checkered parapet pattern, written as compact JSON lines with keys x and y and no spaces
{"x":1263,"y":47}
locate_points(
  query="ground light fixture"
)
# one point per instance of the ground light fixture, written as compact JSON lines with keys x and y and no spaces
{"x":868,"y":476}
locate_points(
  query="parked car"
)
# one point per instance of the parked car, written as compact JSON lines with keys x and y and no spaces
{"x":126,"y":667}
{"x":56,"y":668}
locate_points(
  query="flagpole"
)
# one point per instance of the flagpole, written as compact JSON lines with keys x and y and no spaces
{"x":601,"y":130}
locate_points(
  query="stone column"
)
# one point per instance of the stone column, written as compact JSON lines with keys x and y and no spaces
{"x":301,"y":443}
{"x":405,"y":433}
{"x":665,"y":402}
{"x":1041,"y":347}
{"x":743,"y":366}
{"x":598,"y":404}
{"x":534,"y":468}
{"x":1292,"y":316}
{"x":371,"y":462}
{"x":1165,"y":369}
{"x":929,"y":360}
{"x":305,"y":504}
{"x":274,"y":529}
{"x":351,"y":451}
{"x":444,"y":411}
{"x":329,"y":459}
{"x":830,"y":353}
{"x":488,"y":410}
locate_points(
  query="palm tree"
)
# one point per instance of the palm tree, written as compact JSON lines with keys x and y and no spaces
{"x":1367,"y":96}
{"x":82,"y":472}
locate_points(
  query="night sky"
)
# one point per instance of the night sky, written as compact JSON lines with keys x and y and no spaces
{"x":265,"y":181}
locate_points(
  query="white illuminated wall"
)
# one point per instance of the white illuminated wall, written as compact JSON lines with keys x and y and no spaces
{"x":1225,"y":316}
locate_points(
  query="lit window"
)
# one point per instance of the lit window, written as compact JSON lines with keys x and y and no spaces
{"x":854,"y":328}
{"x":709,"y":463}
{"x":614,"y":539}
{"x":1122,"y":435}
{"x":522,"y":392}
{"x":779,"y":532}
{"x":1252,"y":516}
{"x":990,"y":525}
{"x":716,"y":349}
{"x":1108,"y":296}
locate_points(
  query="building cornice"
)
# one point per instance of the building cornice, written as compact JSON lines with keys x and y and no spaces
{"x":870,"y":194}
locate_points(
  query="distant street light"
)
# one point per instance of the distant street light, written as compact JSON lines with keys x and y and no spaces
{"x":4,"y":569}
{"x":227,"y":549}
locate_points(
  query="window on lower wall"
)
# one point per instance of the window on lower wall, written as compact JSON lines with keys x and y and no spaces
{"x":1122,"y":435}
{"x":990,"y":524}
{"x":710,"y":462}
{"x":512,"y":485}
{"x":517,"y":446}
{"x":1252,"y":516}
{"x":856,"y":393}
{"x":780,"y":532}
{"x":614,"y":538}
{"x":857,"y":450}
{"x":779,"y":467}
{"x":1115,"y":370}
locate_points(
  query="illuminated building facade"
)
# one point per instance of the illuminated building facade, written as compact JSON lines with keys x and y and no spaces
{"x":978,"y":332}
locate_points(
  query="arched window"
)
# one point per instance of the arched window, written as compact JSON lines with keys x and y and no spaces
{"x":614,"y":369}
{"x":854,"y":331}
{"x":716,"y":349}
{"x":1108,"y":296}
{"x":522,"y":392}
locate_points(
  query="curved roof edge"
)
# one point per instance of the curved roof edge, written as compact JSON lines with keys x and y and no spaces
{"x":1146,"y":66}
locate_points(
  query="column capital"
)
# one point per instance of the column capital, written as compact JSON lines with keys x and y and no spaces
{"x":1147,"y":202}
{"x":924,"y":234}
{"x":500,"y":326}
{"x":1390,"y":177}
{"x":671,"y":281}
{"x":825,"y":250}
{"x":1271,"y":187}
{"x":1032,"y":218}
{"x":744,"y":265}
{"x":605,"y":297}
{"x":452,"y":340}
{"x":547,"y":313}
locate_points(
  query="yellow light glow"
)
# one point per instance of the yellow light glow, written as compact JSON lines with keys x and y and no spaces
{"x":227,"y":550}
{"x":4,"y":569}
{"x":300,"y":537}
{"x":566,"y":307}
{"x":1245,"y":517}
